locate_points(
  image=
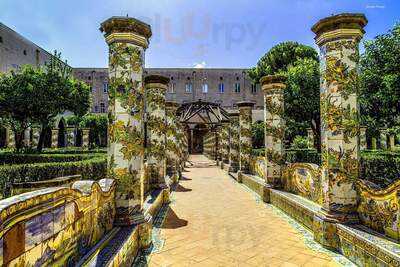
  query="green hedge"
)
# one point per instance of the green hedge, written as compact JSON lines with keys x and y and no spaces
{"x":302,"y":156}
{"x":93,"y":169}
{"x":17,"y":158}
{"x":258,"y":152}
{"x":73,"y":151}
{"x":380,"y":167}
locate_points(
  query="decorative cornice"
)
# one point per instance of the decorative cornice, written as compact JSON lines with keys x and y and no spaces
{"x":159,"y":86}
{"x":125,"y":24}
{"x":156,"y":79}
{"x":172,"y":105}
{"x":339,"y":34}
{"x":127,"y":37}
{"x":346,"y":25}
{"x":273,"y":82}
{"x":234,"y":113}
{"x":245,"y":104}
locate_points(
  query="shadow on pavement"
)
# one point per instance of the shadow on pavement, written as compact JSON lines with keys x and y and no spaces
{"x":172,"y":221}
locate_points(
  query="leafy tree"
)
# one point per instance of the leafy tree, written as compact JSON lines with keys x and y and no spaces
{"x":257,"y":129}
{"x":280,"y":57}
{"x":299,"y":63}
{"x":98,"y":124}
{"x":18,"y":91}
{"x":62,"y":92}
{"x":380,"y":81}
{"x":37,"y":95}
{"x":302,"y":107}
{"x":300,"y":142}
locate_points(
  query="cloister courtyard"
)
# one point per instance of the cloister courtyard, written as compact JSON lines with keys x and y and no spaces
{"x":292,"y":162}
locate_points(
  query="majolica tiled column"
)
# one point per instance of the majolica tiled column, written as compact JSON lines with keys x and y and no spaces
{"x":54,"y":138}
{"x":127,"y":39}
{"x":70,"y":136}
{"x":85,"y":138}
{"x":245,"y":139}
{"x":234,"y":142}
{"x":338,"y":38}
{"x":310,"y":138}
{"x":363,"y":138}
{"x":383,"y":139}
{"x":391,"y":142}
{"x":27,"y":137}
{"x":171,"y":139}
{"x":182,"y":148}
{"x":273,"y":87}
{"x":10,"y":138}
{"x":373,"y":143}
{"x":225,"y":142}
{"x":218,"y":149}
{"x":35,"y":136}
{"x":155,"y":89}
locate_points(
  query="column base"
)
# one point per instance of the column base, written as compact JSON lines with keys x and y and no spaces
{"x":234,"y":167}
{"x":240,"y":177}
{"x":325,"y":227}
{"x":275,"y":182}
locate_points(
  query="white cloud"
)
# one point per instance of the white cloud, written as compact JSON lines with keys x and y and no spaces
{"x":200,"y":65}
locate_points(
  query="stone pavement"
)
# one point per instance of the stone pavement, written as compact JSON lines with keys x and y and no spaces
{"x":214,"y":221}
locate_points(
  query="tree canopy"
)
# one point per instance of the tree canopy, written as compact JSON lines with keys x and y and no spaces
{"x":35,"y":95}
{"x":299,"y":63}
{"x":380,"y":81}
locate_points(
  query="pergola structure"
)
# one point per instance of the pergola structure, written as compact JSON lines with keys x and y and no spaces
{"x":199,"y":118}
{"x":203,"y":113}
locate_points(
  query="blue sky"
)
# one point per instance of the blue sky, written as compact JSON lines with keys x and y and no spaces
{"x":186,"y":33}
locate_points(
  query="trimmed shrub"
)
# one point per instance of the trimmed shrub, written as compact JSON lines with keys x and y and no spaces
{"x":17,"y":158}
{"x":73,"y":150}
{"x":300,"y":142}
{"x":258,"y":152}
{"x":302,"y":156}
{"x":380,"y":167}
{"x":93,"y":169}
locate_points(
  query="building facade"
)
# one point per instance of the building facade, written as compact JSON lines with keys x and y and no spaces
{"x":16,"y":51}
{"x":217,"y":85}
{"x":222,"y":86}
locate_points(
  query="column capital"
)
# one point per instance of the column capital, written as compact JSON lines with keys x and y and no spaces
{"x":156,"y":81}
{"x":273,"y":82}
{"x":171,"y":105}
{"x":243,"y":104}
{"x":126,"y":29}
{"x":234,"y":113}
{"x":342,"y":26}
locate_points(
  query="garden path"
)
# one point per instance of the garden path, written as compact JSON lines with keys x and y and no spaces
{"x":214,"y":221}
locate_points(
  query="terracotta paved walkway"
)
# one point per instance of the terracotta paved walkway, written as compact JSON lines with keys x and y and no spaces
{"x":213,"y":221}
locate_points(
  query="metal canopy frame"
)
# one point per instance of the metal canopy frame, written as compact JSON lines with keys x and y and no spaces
{"x":201,"y":112}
